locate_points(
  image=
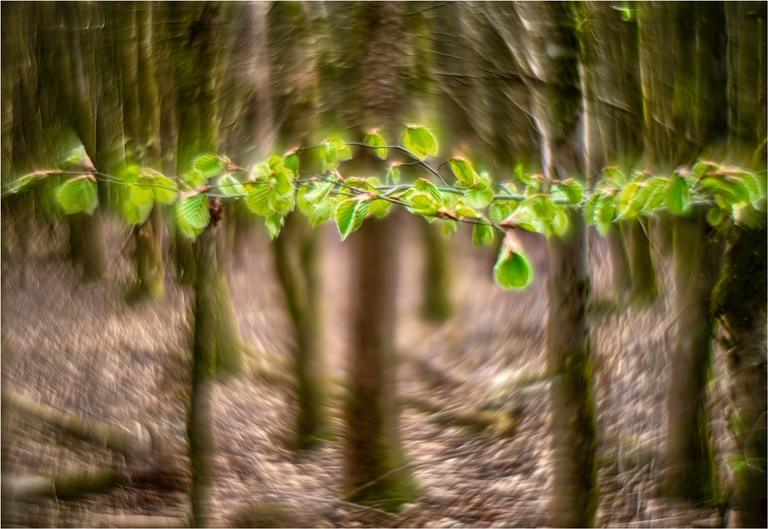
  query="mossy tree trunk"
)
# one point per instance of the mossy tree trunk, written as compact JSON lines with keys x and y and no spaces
{"x":738,"y":301}
{"x":558,"y":110}
{"x":376,"y":470}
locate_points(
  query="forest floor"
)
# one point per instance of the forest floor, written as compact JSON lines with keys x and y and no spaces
{"x":80,"y":348}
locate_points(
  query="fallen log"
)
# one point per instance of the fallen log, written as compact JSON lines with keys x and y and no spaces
{"x":150,"y":457}
{"x":69,"y":485}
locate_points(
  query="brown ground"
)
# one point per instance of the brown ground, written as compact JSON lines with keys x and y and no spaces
{"x":81,"y":349}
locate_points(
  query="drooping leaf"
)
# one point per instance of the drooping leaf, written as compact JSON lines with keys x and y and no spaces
{"x":380,"y":208}
{"x":165,"y":189}
{"x":543,"y":207}
{"x":79,"y":195}
{"x":350,"y":215}
{"x":323,"y":211}
{"x":512,"y":270}
{"x":134,"y":213}
{"x":334,"y":151}
{"x":464,"y":172}
{"x":419,"y":141}
{"x":589,"y":209}
{"x":209,"y":166}
{"x":715,"y":216}
{"x":374,"y":139}
{"x":193,"y":214}
{"x":274,"y":223}
{"x":482,"y":234}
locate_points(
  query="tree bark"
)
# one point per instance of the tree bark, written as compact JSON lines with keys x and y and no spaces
{"x":436,"y":304}
{"x":554,"y":51}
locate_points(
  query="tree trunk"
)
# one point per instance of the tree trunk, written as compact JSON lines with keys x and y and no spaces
{"x":644,"y":287}
{"x":436,"y":304}
{"x":551,"y":40}
{"x":697,"y":260}
{"x":738,"y":301}
{"x":376,"y":471}
{"x":296,"y":257}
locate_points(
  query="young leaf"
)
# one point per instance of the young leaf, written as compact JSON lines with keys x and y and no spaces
{"x":521,"y":176}
{"x":482,"y":234}
{"x":419,"y":141}
{"x":350,"y":215}
{"x":194,"y":179}
{"x":274,"y":223}
{"x":393,"y":174}
{"x":230,"y":186}
{"x":134,"y":213}
{"x":141,"y":192}
{"x":573,"y":189}
{"x":195,"y":211}
{"x":258,"y":200}
{"x":291,"y":161}
{"x":425,"y":186}
{"x":464,"y":172}
{"x":165,"y":190}
{"x":501,"y":210}
{"x":422,"y":204}
{"x":374,"y":139}
{"x":715,"y":216}
{"x":479,"y":195}
{"x":589,"y":209}
{"x":512,"y":270}
{"x":677,"y":194}
{"x":79,"y":194}
{"x":130,"y":174}
{"x":323,"y":211}
{"x":209,"y":165}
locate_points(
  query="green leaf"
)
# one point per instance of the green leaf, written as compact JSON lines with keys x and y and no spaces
{"x":419,"y":141}
{"x":482,"y":234}
{"x":521,"y":176}
{"x":141,"y":192}
{"x":134,"y":213}
{"x":479,"y":195}
{"x":589,"y":209}
{"x":275,"y":162}
{"x":573,"y":189}
{"x":209,"y":166}
{"x":258,"y":200}
{"x":425,"y":186}
{"x":194,"y":179}
{"x":464,"y":172}
{"x":165,"y":190}
{"x":374,"y":139}
{"x":78,"y":156}
{"x":79,"y":194}
{"x":281,"y":204}
{"x":701,"y":168}
{"x":393,"y":174}
{"x":323,"y":211}
{"x":501,"y":210}
{"x":291,"y":161}
{"x":130,"y":174}
{"x":274,"y":223}
{"x":657,"y":194}
{"x":283,"y":183}
{"x":380,"y":208}
{"x":231,"y":186}
{"x":27,"y":181}
{"x":677,"y":194}
{"x":333,"y":152}
{"x":193,"y":214}
{"x":715,"y":216}
{"x":422,"y":204}
{"x":543,"y":208}
{"x":512,"y":270}
{"x":321,"y":192}
{"x":350,"y":215}
{"x":463,"y":210}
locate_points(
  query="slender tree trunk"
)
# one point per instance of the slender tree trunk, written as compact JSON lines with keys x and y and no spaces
{"x":552,"y":44}
{"x":376,"y":469}
{"x":697,"y":259}
{"x":644,"y":287}
{"x":437,"y":304}
{"x":296,"y":257}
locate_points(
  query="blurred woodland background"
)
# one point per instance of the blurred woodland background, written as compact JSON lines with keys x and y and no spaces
{"x":247,"y":379}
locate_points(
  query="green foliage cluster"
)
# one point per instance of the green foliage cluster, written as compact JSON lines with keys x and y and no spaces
{"x":274,"y":188}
